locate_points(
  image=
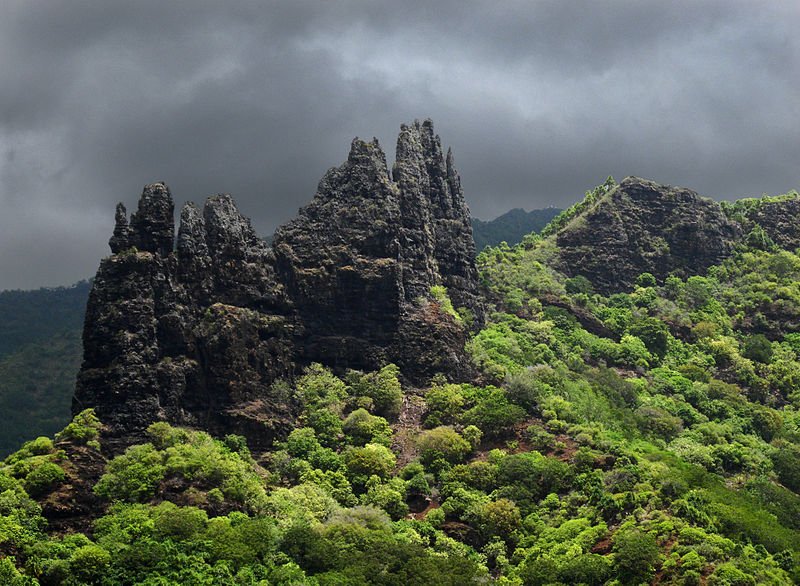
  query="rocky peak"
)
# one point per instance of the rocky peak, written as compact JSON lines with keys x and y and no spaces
{"x":153,"y":224}
{"x":198,"y":333}
{"x":121,"y":238}
{"x":641,"y":226}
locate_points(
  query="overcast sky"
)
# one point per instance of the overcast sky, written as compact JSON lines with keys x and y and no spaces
{"x":540,"y":101}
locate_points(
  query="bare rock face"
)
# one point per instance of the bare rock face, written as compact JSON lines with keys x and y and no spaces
{"x":199,"y":331}
{"x":186,"y":335}
{"x":360,"y":260}
{"x":641,"y":226}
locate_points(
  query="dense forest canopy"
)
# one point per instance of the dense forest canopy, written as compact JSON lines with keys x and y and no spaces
{"x":510,"y":227}
{"x":40,"y":353}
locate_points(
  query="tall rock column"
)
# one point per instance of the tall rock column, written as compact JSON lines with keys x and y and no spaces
{"x":119,"y":376}
{"x":431,"y":190}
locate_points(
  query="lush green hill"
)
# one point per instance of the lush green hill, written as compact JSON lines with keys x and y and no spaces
{"x":34,"y":316}
{"x":36,"y":386}
{"x":510,"y":227}
{"x":651,"y":436}
{"x":40,"y":351}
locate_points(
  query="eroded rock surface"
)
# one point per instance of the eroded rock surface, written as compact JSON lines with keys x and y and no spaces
{"x":198,"y":332}
{"x":641,"y":226}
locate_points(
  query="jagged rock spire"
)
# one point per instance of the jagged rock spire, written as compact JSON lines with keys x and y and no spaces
{"x":153,"y":224}
{"x":196,"y":334}
{"x":121,"y":239}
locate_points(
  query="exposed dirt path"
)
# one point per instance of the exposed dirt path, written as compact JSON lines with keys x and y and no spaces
{"x":408,"y":425}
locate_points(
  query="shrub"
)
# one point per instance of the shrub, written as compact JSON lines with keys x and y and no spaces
{"x":85,"y":427}
{"x":442,"y":442}
{"x":444,"y":404}
{"x":362,"y":428}
{"x":635,"y":556}
{"x":786,"y":460}
{"x":43,"y":478}
{"x":383,"y":387}
{"x":327,"y":425}
{"x":654,"y":333}
{"x":40,"y":446}
{"x":319,"y":387}
{"x":493,"y":413}
{"x":588,"y":568}
{"x":578,"y":284}
{"x":372,"y":459}
{"x":389,"y":496}
{"x":499,"y":518}
{"x":758,"y":348}
{"x":133,"y":476}
{"x":89,"y":562}
{"x":302,"y":442}
{"x":646,"y":280}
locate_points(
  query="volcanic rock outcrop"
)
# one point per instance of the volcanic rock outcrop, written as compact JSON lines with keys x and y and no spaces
{"x":198,"y":333}
{"x":641,"y":226}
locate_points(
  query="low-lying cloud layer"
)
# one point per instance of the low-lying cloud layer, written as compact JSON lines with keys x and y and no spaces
{"x":540,"y":101}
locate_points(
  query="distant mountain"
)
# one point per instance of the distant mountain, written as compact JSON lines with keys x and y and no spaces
{"x":34,"y":316}
{"x":36,"y":386}
{"x":40,"y":353}
{"x":511,"y":226}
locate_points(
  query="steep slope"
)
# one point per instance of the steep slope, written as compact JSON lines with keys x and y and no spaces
{"x":649,"y":436}
{"x":640,"y":226}
{"x":198,"y":335}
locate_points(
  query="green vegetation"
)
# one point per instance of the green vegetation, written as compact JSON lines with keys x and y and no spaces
{"x":40,"y":353}
{"x":35,"y":316}
{"x":591,"y":198}
{"x":643,"y":437}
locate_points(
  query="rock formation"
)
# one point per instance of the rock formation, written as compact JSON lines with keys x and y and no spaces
{"x":641,"y":226}
{"x":198,"y":333}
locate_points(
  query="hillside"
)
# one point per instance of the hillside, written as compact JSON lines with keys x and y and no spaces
{"x":231,"y":426}
{"x":35,"y":316}
{"x":510,"y":227}
{"x":40,"y":353}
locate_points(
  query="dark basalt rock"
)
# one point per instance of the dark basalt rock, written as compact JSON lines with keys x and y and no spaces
{"x":778,"y":217}
{"x":641,"y":226}
{"x":198,"y":333}
{"x":152,"y":226}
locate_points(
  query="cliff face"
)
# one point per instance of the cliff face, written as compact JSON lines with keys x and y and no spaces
{"x":197,"y":333}
{"x":641,"y":226}
{"x":360,"y":260}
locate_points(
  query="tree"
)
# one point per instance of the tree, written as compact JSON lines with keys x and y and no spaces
{"x":757,"y":347}
{"x":362,"y":428}
{"x":646,"y":280}
{"x":500,"y":518}
{"x":654,"y":333}
{"x":635,"y":556}
{"x":383,"y":387}
{"x":442,"y":443}
{"x":372,"y":459}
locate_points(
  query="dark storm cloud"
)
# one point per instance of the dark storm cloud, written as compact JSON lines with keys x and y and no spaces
{"x":539,"y":100}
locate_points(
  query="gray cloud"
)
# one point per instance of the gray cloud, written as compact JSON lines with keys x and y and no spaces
{"x":540,"y":101}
